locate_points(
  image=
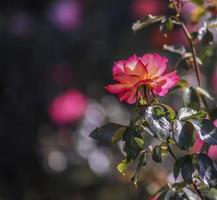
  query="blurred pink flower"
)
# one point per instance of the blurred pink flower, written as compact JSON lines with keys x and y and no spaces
{"x":68,"y":107}
{"x":146,"y":70}
{"x":199,"y":143}
{"x":65,"y":14}
{"x":140,"y":8}
{"x":187,"y":10}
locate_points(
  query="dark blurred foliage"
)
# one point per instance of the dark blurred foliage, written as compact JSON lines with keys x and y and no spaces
{"x":46,"y":51}
{"x":31,"y":47}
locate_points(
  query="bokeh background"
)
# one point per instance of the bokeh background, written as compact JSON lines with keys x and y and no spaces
{"x":55,"y":59}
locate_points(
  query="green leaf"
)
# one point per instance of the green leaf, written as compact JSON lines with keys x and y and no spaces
{"x":187,"y":169}
{"x":169,"y":111}
{"x":185,"y":165}
{"x":206,"y":130}
{"x":122,"y":166}
{"x":132,"y":146}
{"x":108,"y":133}
{"x":177,"y":167}
{"x":146,"y":21}
{"x":139,"y":141}
{"x":191,"y":98}
{"x":186,"y":114}
{"x":207,"y":170}
{"x":194,"y":35}
{"x":156,"y":154}
{"x":205,"y":36}
{"x":213,"y":114}
{"x":167,"y":25}
{"x":183,"y":134}
{"x":118,"y":135}
{"x":159,"y":126}
{"x":159,"y":111}
{"x":177,"y":48}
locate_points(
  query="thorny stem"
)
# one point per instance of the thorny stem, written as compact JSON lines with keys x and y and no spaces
{"x":196,"y":67}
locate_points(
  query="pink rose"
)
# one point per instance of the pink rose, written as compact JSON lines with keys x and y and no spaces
{"x":136,"y":71}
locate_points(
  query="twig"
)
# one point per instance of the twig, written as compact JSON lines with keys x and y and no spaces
{"x":171,"y":152}
{"x":198,"y":191}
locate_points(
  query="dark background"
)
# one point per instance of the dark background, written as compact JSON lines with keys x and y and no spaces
{"x":41,"y":58}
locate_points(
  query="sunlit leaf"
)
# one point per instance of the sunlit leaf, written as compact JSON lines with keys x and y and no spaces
{"x":146,"y":21}
{"x":206,"y":130}
{"x":183,"y":134}
{"x":122,"y":166}
{"x":205,"y":36}
{"x":177,"y":48}
{"x":207,"y":170}
{"x":160,"y":126}
{"x":185,"y":113}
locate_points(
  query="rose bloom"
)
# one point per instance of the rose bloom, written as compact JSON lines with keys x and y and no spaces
{"x":136,"y":71}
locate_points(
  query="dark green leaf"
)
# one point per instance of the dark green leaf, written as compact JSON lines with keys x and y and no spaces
{"x":131,"y":147}
{"x":194,"y":35}
{"x":205,"y":36}
{"x":207,"y":170}
{"x":160,"y":126}
{"x":166,"y":26}
{"x":177,"y":167}
{"x":183,"y":134}
{"x":156,"y":154}
{"x":213,"y":114}
{"x":206,"y":130}
{"x":185,"y":165}
{"x":187,"y":169}
{"x":146,"y":21}
{"x":191,"y":98}
{"x":108,"y":133}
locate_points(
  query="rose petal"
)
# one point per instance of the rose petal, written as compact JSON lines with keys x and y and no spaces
{"x":155,"y":64}
{"x":164,"y":83}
